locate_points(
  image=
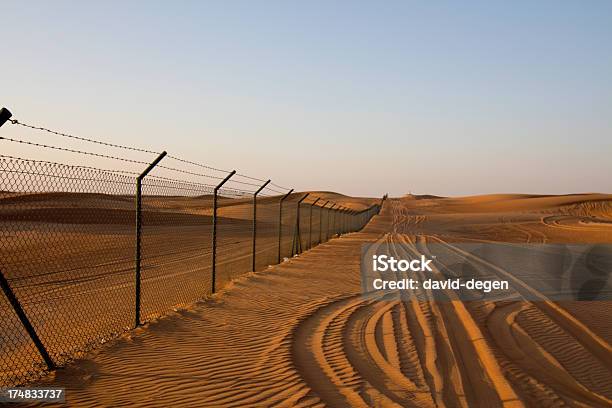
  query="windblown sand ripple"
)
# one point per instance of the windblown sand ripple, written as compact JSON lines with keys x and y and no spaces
{"x":301,"y":334}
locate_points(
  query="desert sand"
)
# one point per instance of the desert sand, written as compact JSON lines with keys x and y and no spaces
{"x":301,"y":334}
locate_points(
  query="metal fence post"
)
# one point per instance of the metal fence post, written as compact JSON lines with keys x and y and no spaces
{"x":139,"y":232}
{"x":8,"y":292}
{"x":255,"y":220}
{"x":297,"y":237}
{"x":214,"y":231}
{"x":5,"y":115}
{"x":280,"y":222}
{"x":310,"y":230}
{"x":321,"y":222}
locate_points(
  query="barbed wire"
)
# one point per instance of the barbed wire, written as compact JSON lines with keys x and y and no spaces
{"x":65,"y":149}
{"x":204,"y":166}
{"x":161,"y":166}
{"x":281,"y":187}
{"x":84,"y":139}
{"x":273,"y":190}
{"x":131,"y":148}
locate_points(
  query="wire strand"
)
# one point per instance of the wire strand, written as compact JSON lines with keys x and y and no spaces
{"x":65,"y":149}
{"x":281,"y":187}
{"x":204,"y":166}
{"x":136,"y":149}
{"x":84,"y":139}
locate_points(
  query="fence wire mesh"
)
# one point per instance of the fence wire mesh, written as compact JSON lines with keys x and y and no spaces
{"x":67,"y":251}
{"x":267,"y":232}
{"x":69,"y":240}
{"x":234,"y":235}
{"x":176,"y":244}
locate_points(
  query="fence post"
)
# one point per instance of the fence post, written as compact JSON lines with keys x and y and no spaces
{"x":330,"y":213}
{"x":297,"y":237}
{"x":8,"y":292}
{"x":280,"y":222}
{"x":5,"y":115}
{"x":214,"y":231}
{"x":255,"y":220}
{"x":139,"y":232}
{"x":321,"y":222}
{"x":310,"y":230}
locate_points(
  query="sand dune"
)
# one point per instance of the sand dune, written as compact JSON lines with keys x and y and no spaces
{"x":301,"y":334}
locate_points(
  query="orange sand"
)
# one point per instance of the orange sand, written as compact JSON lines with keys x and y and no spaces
{"x":300,"y":334}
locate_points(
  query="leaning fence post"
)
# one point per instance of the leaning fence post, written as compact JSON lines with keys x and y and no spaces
{"x":139,"y":231}
{"x":214,"y":231}
{"x":8,"y":292}
{"x":310,"y":229}
{"x":255,"y":220}
{"x":321,"y":222}
{"x":280,"y":222}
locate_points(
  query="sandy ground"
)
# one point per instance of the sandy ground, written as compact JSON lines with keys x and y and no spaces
{"x":301,"y":334}
{"x":70,"y":260}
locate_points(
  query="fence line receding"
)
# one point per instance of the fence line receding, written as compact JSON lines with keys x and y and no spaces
{"x":90,"y":251}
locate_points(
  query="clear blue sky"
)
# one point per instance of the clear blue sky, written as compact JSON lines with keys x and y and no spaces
{"x":364,"y":98}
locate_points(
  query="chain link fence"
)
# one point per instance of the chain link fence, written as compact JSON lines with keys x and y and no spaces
{"x":87,"y":254}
